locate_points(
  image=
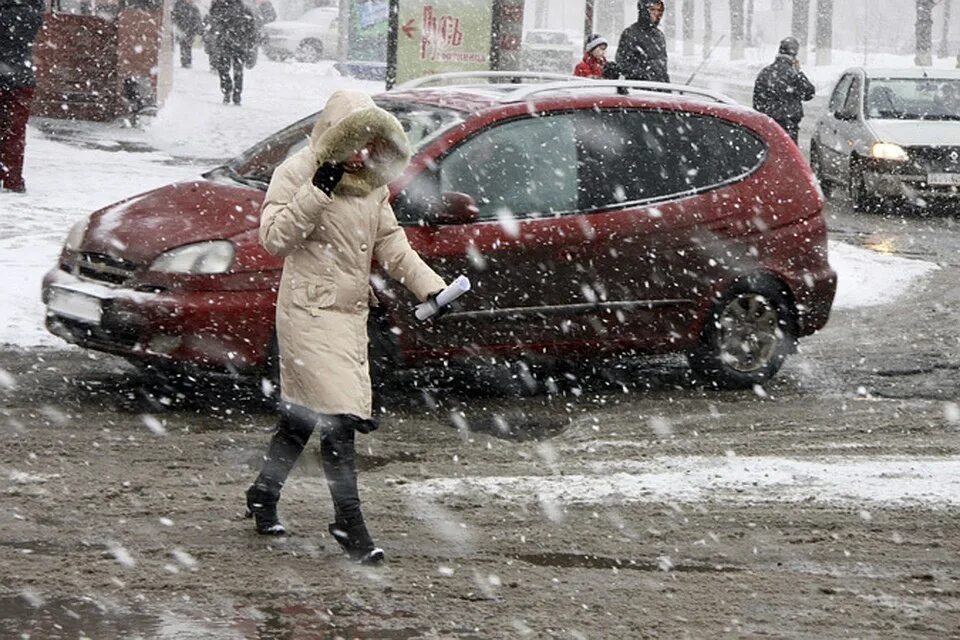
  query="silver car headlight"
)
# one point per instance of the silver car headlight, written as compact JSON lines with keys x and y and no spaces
{"x":200,"y":258}
{"x":888,"y":151}
{"x":75,"y":235}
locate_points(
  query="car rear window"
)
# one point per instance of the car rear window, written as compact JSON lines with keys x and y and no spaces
{"x":630,"y":156}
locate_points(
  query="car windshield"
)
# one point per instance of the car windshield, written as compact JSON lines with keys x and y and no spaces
{"x":255,"y":166}
{"x":913,"y":99}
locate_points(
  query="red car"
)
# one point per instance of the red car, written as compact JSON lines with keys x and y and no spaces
{"x":590,"y":223}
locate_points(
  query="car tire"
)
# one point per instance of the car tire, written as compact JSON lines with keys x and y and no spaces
{"x":747,"y":336}
{"x":816,"y":165}
{"x":309,"y":50}
{"x":857,"y":189}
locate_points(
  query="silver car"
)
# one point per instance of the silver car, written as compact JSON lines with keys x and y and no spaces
{"x":309,"y":38}
{"x":891,"y":134}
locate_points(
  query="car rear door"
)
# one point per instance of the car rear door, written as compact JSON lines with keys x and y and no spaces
{"x":655,"y":190}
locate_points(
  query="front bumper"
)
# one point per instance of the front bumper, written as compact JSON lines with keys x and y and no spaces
{"x":913,"y":186}
{"x":226,"y":330}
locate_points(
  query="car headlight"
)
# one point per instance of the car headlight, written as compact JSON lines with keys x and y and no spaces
{"x":888,"y":151}
{"x":202,"y":257}
{"x":75,"y":235}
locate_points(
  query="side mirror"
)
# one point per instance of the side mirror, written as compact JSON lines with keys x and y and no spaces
{"x":456,"y":208}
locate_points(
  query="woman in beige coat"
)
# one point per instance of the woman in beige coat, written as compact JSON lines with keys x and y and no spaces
{"x":327,"y":214}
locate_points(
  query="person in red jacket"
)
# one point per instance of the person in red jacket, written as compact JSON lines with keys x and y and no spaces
{"x":594,"y":58}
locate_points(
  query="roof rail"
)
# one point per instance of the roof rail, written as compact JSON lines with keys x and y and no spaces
{"x":523,"y":93}
{"x":481,"y":75}
{"x":561,"y":82}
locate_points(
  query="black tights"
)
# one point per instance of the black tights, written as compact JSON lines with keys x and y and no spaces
{"x":337,"y":453}
{"x":231,"y":87}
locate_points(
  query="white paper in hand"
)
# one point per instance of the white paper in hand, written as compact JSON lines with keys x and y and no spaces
{"x":453,"y":291}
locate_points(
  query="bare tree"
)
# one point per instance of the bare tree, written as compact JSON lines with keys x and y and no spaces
{"x":736,"y":29}
{"x":540,"y":14}
{"x":824,"y":34}
{"x":801,"y":26}
{"x":688,"y":25}
{"x":670,"y":24}
{"x":944,"y":51}
{"x":707,"y":27}
{"x":924,"y":31}
{"x":751,"y":41}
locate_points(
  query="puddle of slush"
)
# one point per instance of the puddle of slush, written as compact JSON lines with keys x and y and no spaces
{"x":587,"y":561}
{"x":31,"y":616}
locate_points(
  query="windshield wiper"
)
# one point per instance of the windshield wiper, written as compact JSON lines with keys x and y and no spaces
{"x":230,"y":173}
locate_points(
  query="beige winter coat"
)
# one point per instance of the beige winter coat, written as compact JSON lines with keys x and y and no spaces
{"x":328,"y":245}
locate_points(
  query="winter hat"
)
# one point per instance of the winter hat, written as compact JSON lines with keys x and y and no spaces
{"x":643,"y":7}
{"x":789,"y":46}
{"x":596,"y":40}
{"x":646,"y":4}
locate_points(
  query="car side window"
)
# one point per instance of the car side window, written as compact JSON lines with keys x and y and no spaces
{"x":840,"y":94}
{"x":851,"y":106}
{"x":522,"y":167}
{"x":635,"y":155}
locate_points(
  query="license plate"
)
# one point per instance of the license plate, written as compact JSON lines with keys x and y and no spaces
{"x":944,"y":179}
{"x":74,"y":305}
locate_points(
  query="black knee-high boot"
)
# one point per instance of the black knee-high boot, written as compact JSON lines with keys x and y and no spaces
{"x":340,"y":468}
{"x":285,"y":447}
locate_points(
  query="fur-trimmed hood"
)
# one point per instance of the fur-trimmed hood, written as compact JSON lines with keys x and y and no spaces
{"x":348,"y":122}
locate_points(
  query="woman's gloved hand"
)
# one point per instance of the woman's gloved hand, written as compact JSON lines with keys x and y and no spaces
{"x":327,"y":177}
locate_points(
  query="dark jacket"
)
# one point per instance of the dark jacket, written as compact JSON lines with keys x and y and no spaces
{"x":781,"y":89}
{"x":642,"y":52}
{"x":232,"y":27}
{"x":20,"y":21}
{"x":187,"y":19}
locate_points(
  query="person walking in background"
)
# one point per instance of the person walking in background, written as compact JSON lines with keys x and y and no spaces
{"x":20,"y":21}
{"x":781,"y":89}
{"x":594,"y":58}
{"x":188,"y":24}
{"x":233,"y":31}
{"x":327,"y":213}
{"x":642,"y":52}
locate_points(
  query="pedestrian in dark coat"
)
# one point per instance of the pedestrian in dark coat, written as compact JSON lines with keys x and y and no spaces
{"x":594,"y":58}
{"x":234,"y":33}
{"x":642,"y":52}
{"x":188,"y":24}
{"x":782,"y":88}
{"x":327,"y":213}
{"x":20,"y":21}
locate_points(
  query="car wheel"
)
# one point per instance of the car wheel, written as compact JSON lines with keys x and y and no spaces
{"x":816,"y":164}
{"x":857,"y":188}
{"x":747,"y":336}
{"x":309,"y":51}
